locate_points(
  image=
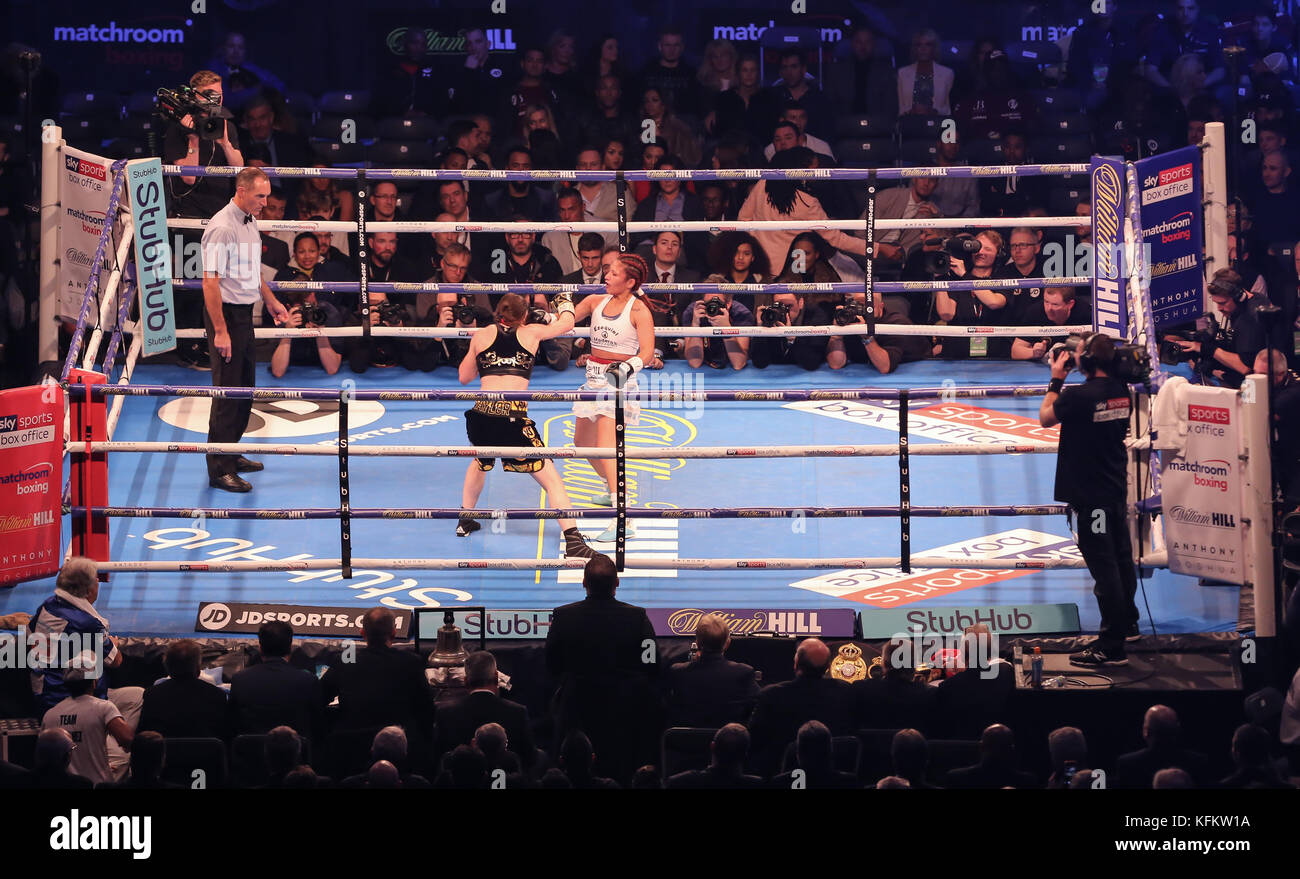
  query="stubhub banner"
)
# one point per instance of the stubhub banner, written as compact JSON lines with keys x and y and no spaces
{"x":1017,"y":619}
{"x":1171,"y":230}
{"x":153,"y":258}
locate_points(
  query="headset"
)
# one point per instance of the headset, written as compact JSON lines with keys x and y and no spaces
{"x":1230,"y":290}
{"x":1087,"y":356}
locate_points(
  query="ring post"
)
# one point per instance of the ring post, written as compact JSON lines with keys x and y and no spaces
{"x":345,"y":504}
{"x":868,"y":280}
{"x":904,"y":487}
{"x":89,"y":476}
{"x":620,"y":448}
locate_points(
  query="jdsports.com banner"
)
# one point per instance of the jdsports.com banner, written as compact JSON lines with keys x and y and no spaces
{"x":31,"y":480}
{"x":1170,"y":200}
{"x":85,"y":184}
{"x":1203,"y":490}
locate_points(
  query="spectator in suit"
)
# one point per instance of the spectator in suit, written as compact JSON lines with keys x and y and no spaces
{"x":1012,"y":196}
{"x":814,"y":758}
{"x":384,"y":687}
{"x":268,"y":143}
{"x":898,"y":700}
{"x":667,"y":262}
{"x":91,"y":721}
{"x":185,"y":705}
{"x":782,"y":708}
{"x":591,"y":246}
{"x":1069,"y":754}
{"x":924,"y":86}
{"x":864,"y":81}
{"x":914,"y":202}
{"x":578,"y":763}
{"x":668,"y":200}
{"x":566,"y":246}
{"x":274,"y":693}
{"x":997,"y":766}
{"x":711,"y":690}
{"x":601,"y":653}
{"x":726,"y":771}
{"x":1254,"y":766}
{"x":521,"y":197}
{"x":458,"y":721}
{"x":51,"y":764}
{"x":1161,"y":732}
{"x":491,"y":741}
{"x":976,"y":696}
{"x":954,"y":196}
{"x":389,"y":746}
{"x":910,"y":755}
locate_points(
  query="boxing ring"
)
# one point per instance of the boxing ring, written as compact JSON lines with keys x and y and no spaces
{"x":827,"y":489}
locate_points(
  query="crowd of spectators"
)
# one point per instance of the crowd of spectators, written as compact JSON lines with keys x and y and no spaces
{"x":615,"y":718}
{"x":1130,"y":84}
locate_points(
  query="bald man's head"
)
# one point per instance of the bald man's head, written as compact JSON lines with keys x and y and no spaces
{"x":53,"y":749}
{"x":1160,"y":725}
{"x":812,"y":658}
{"x":383,"y":775}
{"x":997,"y":744}
{"x":1260,"y":367}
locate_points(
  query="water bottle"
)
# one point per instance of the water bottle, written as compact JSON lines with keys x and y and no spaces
{"x":1036,"y":668}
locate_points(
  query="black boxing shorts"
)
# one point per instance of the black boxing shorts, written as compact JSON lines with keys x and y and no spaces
{"x":504,"y":423}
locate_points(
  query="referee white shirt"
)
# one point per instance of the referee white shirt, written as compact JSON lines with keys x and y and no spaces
{"x":232,"y":250}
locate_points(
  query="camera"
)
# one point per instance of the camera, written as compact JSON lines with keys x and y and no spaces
{"x":713,"y":306}
{"x":209,"y":116}
{"x":1131,"y":363}
{"x":848,"y":314}
{"x":311,"y":314}
{"x":464,"y":314}
{"x":391,"y":314}
{"x":938,"y":263}
{"x":771,"y":315}
{"x":1208,"y":331}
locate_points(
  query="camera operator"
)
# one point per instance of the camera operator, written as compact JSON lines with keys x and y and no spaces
{"x":789,"y":310}
{"x":1059,"y":306}
{"x":717,"y":310}
{"x":383,"y":352}
{"x":885,"y":353}
{"x":463,"y":310}
{"x":1091,"y":477}
{"x":967,"y":307}
{"x":306,"y":312}
{"x":1229,"y":353}
{"x":1286,"y":425}
{"x":198,"y":197}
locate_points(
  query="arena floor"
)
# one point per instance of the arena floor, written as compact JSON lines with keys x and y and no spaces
{"x":167,"y":603}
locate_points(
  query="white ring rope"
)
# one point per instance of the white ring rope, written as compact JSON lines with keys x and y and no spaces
{"x":881,"y":329}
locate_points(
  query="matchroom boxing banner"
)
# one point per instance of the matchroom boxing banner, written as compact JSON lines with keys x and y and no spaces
{"x":1203,"y":487}
{"x":85,"y":184}
{"x":1170,"y":202}
{"x":31,"y":480}
{"x":153,"y":260}
{"x":1109,"y":313}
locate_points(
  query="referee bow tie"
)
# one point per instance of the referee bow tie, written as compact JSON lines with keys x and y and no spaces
{"x":248,"y":218}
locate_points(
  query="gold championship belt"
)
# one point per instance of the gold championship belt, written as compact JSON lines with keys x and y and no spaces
{"x":848,"y":664}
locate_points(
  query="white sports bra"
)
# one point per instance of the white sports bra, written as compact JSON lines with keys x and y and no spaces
{"x":614,"y":334}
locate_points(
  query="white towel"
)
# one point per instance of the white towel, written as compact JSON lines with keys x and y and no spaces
{"x":1169,"y":415}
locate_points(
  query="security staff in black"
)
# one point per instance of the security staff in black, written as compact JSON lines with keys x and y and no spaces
{"x":1091,"y":476}
{"x":503,"y":355}
{"x":232,"y":282}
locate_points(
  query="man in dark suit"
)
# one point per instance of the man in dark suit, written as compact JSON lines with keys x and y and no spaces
{"x":520,"y":197}
{"x":185,"y":705}
{"x":997,"y":766}
{"x":1161,"y":732}
{"x":457,"y":722}
{"x":783,"y":708}
{"x":273,"y":692}
{"x":668,"y":262}
{"x":389,"y":745}
{"x":267,"y":145}
{"x":975,"y":697}
{"x":897,"y":701}
{"x":726,"y":770}
{"x":815,"y":759}
{"x":384,"y":686}
{"x":711,"y":690}
{"x":602,"y":655}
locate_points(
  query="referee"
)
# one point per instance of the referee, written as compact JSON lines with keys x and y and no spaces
{"x":232,"y":281}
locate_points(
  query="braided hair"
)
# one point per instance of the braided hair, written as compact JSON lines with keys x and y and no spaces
{"x":637,"y":269}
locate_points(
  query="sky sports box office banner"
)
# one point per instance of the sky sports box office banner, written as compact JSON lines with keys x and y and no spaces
{"x":31,"y":479}
{"x":85,"y":186}
{"x":1204,"y":489}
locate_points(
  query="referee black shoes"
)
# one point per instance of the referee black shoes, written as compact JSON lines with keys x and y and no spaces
{"x":230,"y":482}
{"x":243,"y":465}
{"x":466,"y":526}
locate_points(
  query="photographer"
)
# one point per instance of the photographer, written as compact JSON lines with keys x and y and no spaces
{"x":449,"y":310}
{"x":198,"y":197}
{"x":1091,"y":476}
{"x":967,"y":307}
{"x":717,"y":310}
{"x":1226,"y":351}
{"x":885,"y":353}
{"x":306,"y":311}
{"x":788,"y":310}
{"x":1060,"y":307}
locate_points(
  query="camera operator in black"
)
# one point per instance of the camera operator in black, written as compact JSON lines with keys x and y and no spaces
{"x":1228,"y":358}
{"x":1091,"y":476}
{"x":306,"y":311}
{"x":883,"y":352}
{"x":789,"y":310}
{"x":198,"y":197}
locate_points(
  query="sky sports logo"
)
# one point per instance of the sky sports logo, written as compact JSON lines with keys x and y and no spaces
{"x":83,"y":167}
{"x":8,"y":423}
{"x":1209,"y":414}
{"x":1169,"y":183}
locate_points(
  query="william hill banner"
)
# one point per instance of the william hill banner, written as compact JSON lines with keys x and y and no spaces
{"x":1109,"y":314}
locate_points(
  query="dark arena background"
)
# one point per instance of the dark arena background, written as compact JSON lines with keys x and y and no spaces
{"x":852,"y":454}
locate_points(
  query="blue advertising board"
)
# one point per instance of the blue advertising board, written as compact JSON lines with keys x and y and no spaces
{"x":1172,"y":231}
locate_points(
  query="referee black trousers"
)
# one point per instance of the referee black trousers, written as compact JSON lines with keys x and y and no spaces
{"x":228,"y":419}
{"x":1103,"y":538}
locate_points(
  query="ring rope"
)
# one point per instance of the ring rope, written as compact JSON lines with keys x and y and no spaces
{"x":647,"y":225}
